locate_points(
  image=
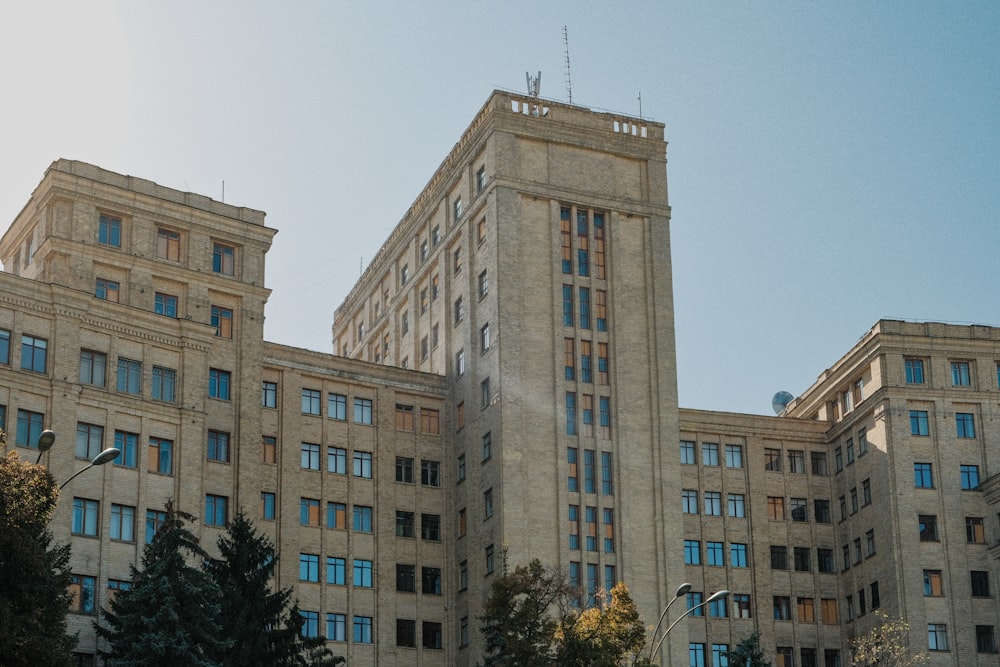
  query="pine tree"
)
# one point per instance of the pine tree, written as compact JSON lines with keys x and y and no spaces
{"x":171,"y":615}
{"x":748,"y":653}
{"x":262,"y":625}
{"x":34,"y":575}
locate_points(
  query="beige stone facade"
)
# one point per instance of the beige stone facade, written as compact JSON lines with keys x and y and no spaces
{"x":503,"y":388}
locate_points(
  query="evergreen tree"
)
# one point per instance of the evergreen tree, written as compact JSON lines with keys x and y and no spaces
{"x":171,"y":614}
{"x":34,"y":575}
{"x":262,"y":625}
{"x":748,"y":653}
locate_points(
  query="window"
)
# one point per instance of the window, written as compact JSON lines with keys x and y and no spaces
{"x":870,"y":542}
{"x":363,"y":464}
{"x":460,"y":468}
{"x":432,"y":635}
{"x":776,"y":508}
{"x":269,"y":394}
{"x":484,"y":337}
{"x":310,"y":401}
{"x":29,"y":428}
{"x":687,"y":452}
{"x":589,"y":483}
{"x":127,"y":444}
{"x":81,"y":594}
{"x":309,"y":512}
{"x":223,"y":259}
{"x":488,"y":503}
{"x":336,"y":460}
{"x":937,"y":636}
{"x":960,"y":374}
{"x":784,"y":657}
{"x":854,"y":500}
{"x":406,"y":633}
{"x":923,"y":477}
{"x":33,"y":353}
{"x":846,"y":551}
{"x":821,"y":509}
{"x":932,"y":583}
{"x":806,"y":610}
{"x":965,"y":425}
{"x":928,"y":528}
{"x":569,"y":316}
{"x":222,"y":320}
{"x":694,"y":599}
{"x":215,"y":510}
{"x":404,"y":417}
{"x":607,"y":476}
{"x":267,"y":505}
{"x":824,"y":560}
{"x":483,"y":283}
{"x":715,"y":554}
{"x":808,"y":657}
{"x":430,"y":580}
{"x":779,"y":557}
{"x":782,"y":609}
{"x":5,"y":347}
{"x":336,"y":515}
{"x":487,"y":446}
{"x":362,"y":410}
{"x":590,"y":516}
{"x":310,"y":456}
{"x":914,"y":370}
{"x":480,"y":179}
{"x":609,"y":532}
{"x":734,"y":456}
{"x":828,"y":611}
{"x":838,"y":458}
{"x":850,"y":451}
{"x":738,"y":555}
{"x":310,"y":623}
{"x":974,"y":531}
{"x":718,"y":608}
{"x":798,"y":509}
{"x":802,"y":560}
{"x":601,"y":308}
{"x":93,"y":367}
{"x":404,"y":524}
{"x":161,"y":456}
{"x":737,"y":505}
{"x":484,"y":392}
{"x":574,"y":527}
{"x":122,"y":523}
{"x":866,"y":492}
{"x":89,"y":438}
{"x":602,"y":364}
{"x":164,"y":384}
{"x":692,"y":552}
{"x":584,"y":307}
{"x":362,"y":630}
{"x":218,"y":384}
{"x":985,"y":639}
{"x":309,"y":567}
{"x":430,"y":527}
{"x":165,"y":304}
{"x":218,"y":446}
{"x":404,"y":469}
{"x":336,"y":406}
{"x":980,"y":581}
{"x":918,"y":422}
{"x":796,"y":461}
{"x":154,"y":519}
{"x":741,"y":605}
{"x":363,"y":518}
{"x":586,"y":362}
{"x":772,"y":459}
{"x":690,"y":501}
{"x":970,"y":477}
{"x":85,"y":516}
{"x":362,"y":573}
{"x":857,"y":551}
{"x":109,"y":231}
{"x":490,"y":559}
{"x":109,"y":290}
{"x":168,"y":245}
{"x":710,"y":453}
{"x":843,"y":508}
{"x":862,"y":441}
{"x":713,"y":503}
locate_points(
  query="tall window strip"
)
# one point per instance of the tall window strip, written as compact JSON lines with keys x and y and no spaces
{"x":601,"y":309}
{"x":569,"y":355}
{"x":602,"y":364}
{"x":566,"y":235}
{"x":582,"y":244}
{"x":586,"y":361}
{"x":599,"y":271}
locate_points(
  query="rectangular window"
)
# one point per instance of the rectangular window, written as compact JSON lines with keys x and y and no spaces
{"x":310,"y":401}
{"x":404,"y":469}
{"x":404,"y":417}
{"x":122,"y":523}
{"x":34,"y":352}
{"x":965,"y":425}
{"x":459,"y":310}
{"x":718,"y":608}
{"x":483,"y":283}
{"x":463,"y":523}
{"x":689,"y":499}
{"x":584,"y":307}
{"x":985,"y":639}
{"x":602,"y":364}
{"x":779,"y":557}
{"x":782,"y":609}
{"x":222,"y":320}
{"x":432,"y":635}
{"x":363,"y":518}
{"x":223,"y":259}
{"x":974,"y":530}
{"x":715,"y":554}
{"x":218,"y":446}
{"x":928,"y":528}
{"x":430,"y":421}
{"x":363,"y":464}
{"x":798,"y":509}
{"x":821,"y":509}
{"x":590,"y":517}
{"x":161,"y":456}
{"x":796,"y":461}
{"x":806,"y":610}
{"x":980,"y":582}
{"x":168,"y":245}
{"x":838,"y":459}
{"x":480,"y":179}
{"x":569,"y":316}
{"x":601,"y":309}
{"x":866,"y":492}
{"x":336,"y":406}
{"x":937,"y":636}
{"x":914,"y":370}
{"x":570,"y":413}
{"x":772,"y":459}
{"x":128,"y":445}
{"x":970,"y":477}
{"x":164,"y":384}
{"x":216,"y":510}
{"x":784,"y":656}
{"x":430,"y":527}
{"x":430,"y":578}
{"x":336,"y":460}
{"x":362,"y":410}
{"x":828,"y":611}
{"x":710,"y":453}
{"x":737,"y":505}
{"x":463,"y":575}
{"x":404,"y":524}
{"x":310,"y":456}
{"x":923,"y":476}
{"x":824,"y":560}
{"x":93,"y":368}
{"x":406,"y":632}
{"x":406,"y":578}
{"x":309,"y":512}
{"x":734,"y":456}
{"x":586,"y":361}
{"x":269,"y":394}
{"x":687,"y":452}
{"x":692,"y":552}
{"x":218,"y":384}
{"x":933,"y":586}
{"x":165,"y":304}
{"x":430,"y":473}
{"x":918,"y":422}
{"x":460,"y":468}
{"x":589,"y":481}
{"x":573,"y":479}
{"x":609,"y":531}
{"x":309,"y":567}
{"x":109,"y":290}
{"x":362,"y":573}
{"x":484,"y":337}
{"x":89,"y":440}
{"x":574,"y":527}
{"x":109,"y":231}
{"x":487,"y":446}
{"x":850,"y":450}
{"x":362,"y":630}
{"x":267,"y":500}
{"x":693,"y":600}
{"x":960,"y":376}
{"x":485,"y":396}
{"x":85,"y":516}
{"x":82,"y":594}
{"x":154,"y":519}
{"x":738,"y":555}
{"x":336,"y":515}
{"x":607,"y":476}
{"x":870,"y":542}
{"x":4,"y":346}
{"x":776,"y":508}
{"x":802,"y":560}
{"x":713,"y":503}
{"x":741,"y":605}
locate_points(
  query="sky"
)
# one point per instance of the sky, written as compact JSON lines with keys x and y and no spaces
{"x":829,"y":164}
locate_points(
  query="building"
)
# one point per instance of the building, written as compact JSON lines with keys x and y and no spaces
{"x":503,"y":388}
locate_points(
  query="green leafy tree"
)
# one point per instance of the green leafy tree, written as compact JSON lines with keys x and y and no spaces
{"x":748,"y":653}
{"x":263,"y":626}
{"x":171,"y":615}
{"x":885,"y":645}
{"x":34,"y":574}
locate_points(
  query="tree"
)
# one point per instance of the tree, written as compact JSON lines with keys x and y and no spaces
{"x":531,"y":619}
{"x":262,"y":625}
{"x":885,"y":645}
{"x":171,"y":615}
{"x":748,"y":653}
{"x":34,"y":574}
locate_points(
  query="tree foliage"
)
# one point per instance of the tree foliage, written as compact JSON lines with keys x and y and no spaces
{"x":34,"y":574}
{"x":748,"y":652}
{"x":172,"y":614}
{"x":885,"y":645}
{"x":262,"y":625}
{"x":530,"y":619}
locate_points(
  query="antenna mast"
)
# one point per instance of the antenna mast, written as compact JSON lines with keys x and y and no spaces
{"x":569,"y":84}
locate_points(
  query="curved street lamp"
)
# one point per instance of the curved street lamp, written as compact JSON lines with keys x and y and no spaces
{"x":718,"y":595}
{"x":681,"y":590}
{"x":45,"y":441}
{"x":106,"y":456}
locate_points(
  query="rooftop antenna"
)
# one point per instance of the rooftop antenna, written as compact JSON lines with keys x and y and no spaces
{"x":569,"y":84}
{"x":640,"y":104}
{"x":534,"y":83}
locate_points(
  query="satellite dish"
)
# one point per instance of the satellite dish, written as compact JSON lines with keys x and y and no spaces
{"x":781,"y":401}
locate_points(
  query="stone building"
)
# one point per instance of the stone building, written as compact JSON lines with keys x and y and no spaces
{"x":503,"y":387}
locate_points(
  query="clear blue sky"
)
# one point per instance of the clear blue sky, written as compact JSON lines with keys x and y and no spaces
{"x":829,"y":163}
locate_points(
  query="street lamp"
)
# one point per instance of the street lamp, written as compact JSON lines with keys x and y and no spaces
{"x":106,"y":456}
{"x":718,"y":595}
{"x":45,"y":441}
{"x":681,"y":590}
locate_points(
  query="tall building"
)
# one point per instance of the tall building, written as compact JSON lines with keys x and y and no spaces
{"x":502,"y":388}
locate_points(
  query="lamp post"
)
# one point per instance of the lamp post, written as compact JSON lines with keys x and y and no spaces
{"x":681,"y":590}
{"x":718,"y":595}
{"x":45,"y":441}
{"x":106,"y":456}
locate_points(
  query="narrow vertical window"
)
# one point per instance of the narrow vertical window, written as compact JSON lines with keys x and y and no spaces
{"x":566,"y":236}
{"x":599,"y":246}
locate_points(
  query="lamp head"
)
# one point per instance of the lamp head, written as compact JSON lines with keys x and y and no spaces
{"x":682,"y":590}
{"x":718,"y":595}
{"x":107,"y":455}
{"x":45,"y":440}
